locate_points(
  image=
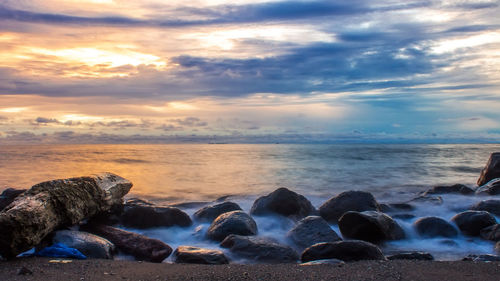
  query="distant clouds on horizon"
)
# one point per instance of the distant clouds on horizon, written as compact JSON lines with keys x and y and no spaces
{"x":257,"y":71}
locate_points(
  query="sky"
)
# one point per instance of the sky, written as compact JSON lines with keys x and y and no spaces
{"x":122,"y":71}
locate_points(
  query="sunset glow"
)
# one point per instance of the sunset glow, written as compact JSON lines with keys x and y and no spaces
{"x":286,"y":69}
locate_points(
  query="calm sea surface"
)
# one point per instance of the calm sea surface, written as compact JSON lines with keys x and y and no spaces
{"x":204,"y":172}
{"x":193,"y":172}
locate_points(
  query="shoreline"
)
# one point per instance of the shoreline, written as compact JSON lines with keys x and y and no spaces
{"x":97,"y":269}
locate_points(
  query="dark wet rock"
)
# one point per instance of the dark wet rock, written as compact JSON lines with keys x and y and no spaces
{"x":92,"y":246}
{"x":447,"y":189}
{"x":491,"y":188}
{"x":370,"y":226}
{"x":283,"y":202}
{"x":492,"y":206}
{"x":358,"y":201}
{"x":434,"y":227}
{"x":471,"y":222}
{"x":312,"y":230}
{"x":141,"y":247}
{"x":8,"y":195}
{"x":235,"y":222}
{"x":491,"y":170}
{"x":55,"y":204}
{"x":349,"y":250}
{"x":141,"y":214}
{"x":209,"y":213}
{"x":189,"y":254}
{"x":481,"y":258}
{"x":325,"y":261}
{"x":411,"y":256}
{"x":435,"y":200}
{"x":491,"y":232}
{"x":260,"y":249}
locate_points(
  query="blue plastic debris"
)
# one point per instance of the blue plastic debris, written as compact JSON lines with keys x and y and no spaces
{"x":59,"y":250}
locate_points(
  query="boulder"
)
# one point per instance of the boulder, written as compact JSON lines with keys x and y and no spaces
{"x":491,"y":232}
{"x":486,"y":258}
{"x":88,"y":244}
{"x":490,"y":188}
{"x":141,"y":214}
{"x":325,"y":261}
{"x":349,"y":250}
{"x":412,"y":256}
{"x":260,"y":249}
{"x":141,"y":247}
{"x":491,"y":170}
{"x":283,"y":202}
{"x":434,"y":200}
{"x":358,"y":201}
{"x":434,"y":227}
{"x":189,"y":254}
{"x":447,"y":189}
{"x":471,"y":222}
{"x":55,"y":204}
{"x":370,"y":226}
{"x":8,"y":195}
{"x":396,"y":207}
{"x":235,"y":222}
{"x":492,"y":206}
{"x":209,"y":213}
{"x":312,"y":230}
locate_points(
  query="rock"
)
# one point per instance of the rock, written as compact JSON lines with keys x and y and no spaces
{"x":141,"y":214}
{"x":209,"y":213}
{"x":491,"y":232}
{"x":349,"y":250}
{"x":491,"y":170}
{"x":358,"y":201}
{"x":8,"y":195}
{"x":412,"y":256}
{"x":447,"y":189}
{"x":189,"y":254}
{"x":370,"y":226}
{"x":435,"y":200}
{"x":92,"y":246}
{"x":434,"y":227}
{"x":490,"y":188}
{"x":260,"y":249}
{"x":312,"y":230}
{"x":396,"y":207}
{"x":492,"y":206}
{"x":471,"y":222}
{"x":325,"y":261}
{"x":141,"y":247}
{"x":283,"y":202}
{"x":54,"y":204}
{"x":481,"y":258}
{"x":235,"y":222}
{"x":497,"y":247}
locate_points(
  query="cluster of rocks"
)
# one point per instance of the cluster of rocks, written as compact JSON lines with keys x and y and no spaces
{"x":41,"y":216}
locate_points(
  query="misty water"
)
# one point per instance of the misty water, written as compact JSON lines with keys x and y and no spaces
{"x":171,"y":174}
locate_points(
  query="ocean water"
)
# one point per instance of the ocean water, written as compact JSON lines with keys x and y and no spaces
{"x":168,"y":174}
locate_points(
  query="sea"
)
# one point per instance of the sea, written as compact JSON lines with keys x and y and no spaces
{"x":193,"y":175}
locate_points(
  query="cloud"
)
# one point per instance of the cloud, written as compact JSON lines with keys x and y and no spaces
{"x":191,"y":122}
{"x":43,"y":120}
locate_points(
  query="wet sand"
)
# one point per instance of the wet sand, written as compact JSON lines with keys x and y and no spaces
{"x":43,"y":269}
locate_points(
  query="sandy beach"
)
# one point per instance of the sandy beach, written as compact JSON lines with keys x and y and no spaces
{"x":44,"y":269}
